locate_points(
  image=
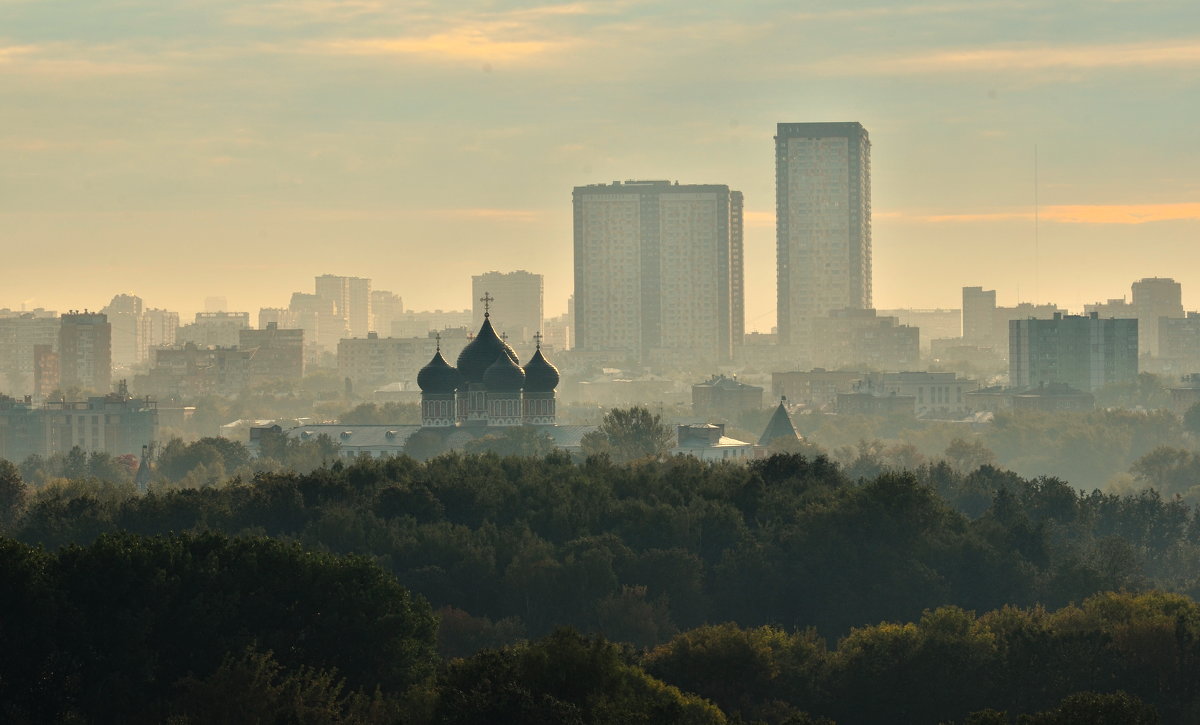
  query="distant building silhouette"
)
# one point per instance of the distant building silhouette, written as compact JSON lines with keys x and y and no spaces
{"x":654,"y":270}
{"x":351,"y":297}
{"x":519,"y":313}
{"x":85,"y":352}
{"x":1084,"y":352}
{"x":823,"y":225}
{"x":1153,"y":299}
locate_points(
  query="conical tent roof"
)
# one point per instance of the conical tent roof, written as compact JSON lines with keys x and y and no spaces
{"x":780,"y":426}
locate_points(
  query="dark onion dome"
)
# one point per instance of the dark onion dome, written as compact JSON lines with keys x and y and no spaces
{"x":504,"y":376}
{"x":438,"y":377}
{"x":540,"y":374}
{"x":481,"y":352}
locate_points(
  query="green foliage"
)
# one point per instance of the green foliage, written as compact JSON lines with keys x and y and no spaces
{"x":77,"y":465}
{"x":953,"y":665}
{"x":13,"y":492}
{"x":630,"y":434}
{"x":524,"y":440}
{"x":254,"y":687}
{"x":217,"y":455}
{"x":109,"y":628}
{"x":1089,"y":708}
{"x":564,"y":678}
{"x":1191,"y":419}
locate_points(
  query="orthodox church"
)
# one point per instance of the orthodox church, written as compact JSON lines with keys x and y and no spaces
{"x":488,"y":387}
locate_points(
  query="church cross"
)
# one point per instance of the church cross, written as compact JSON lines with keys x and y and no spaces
{"x":487,"y":301}
{"x":537,"y":338}
{"x":438,"y":336}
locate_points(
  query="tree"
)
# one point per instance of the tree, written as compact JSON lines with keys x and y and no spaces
{"x":12,"y":494}
{"x":524,"y":440}
{"x":1191,"y":420}
{"x":1090,"y":708}
{"x":634,"y":433}
{"x":564,"y":678}
{"x":966,"y":456}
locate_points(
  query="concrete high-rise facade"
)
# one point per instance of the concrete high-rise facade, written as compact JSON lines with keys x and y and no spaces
{"x":124,"y":314}
{"x":1085,"y":352}
{"x":654,"y":270}
{"x":85,"y":352}
{"x":1153,"y":299}
{"x":351,"y":297}
{"x":737,"y":267}
{"x":386,"y":308}
{"x":823,"y":224}
{"x":517,"y":311}
{"x":978,"y":315}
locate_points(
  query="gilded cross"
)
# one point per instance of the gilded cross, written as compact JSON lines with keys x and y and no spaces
{"x":487,"y":301}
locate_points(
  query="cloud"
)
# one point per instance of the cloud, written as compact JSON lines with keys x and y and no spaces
{"x":70,"y":60}
{"x":508,"y":215}
{"x":1064,"y":214}
{"x":467,"y":43}
{"x":1183,"y":53}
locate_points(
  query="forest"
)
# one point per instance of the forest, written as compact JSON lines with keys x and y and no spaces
{"x":933,"y":595}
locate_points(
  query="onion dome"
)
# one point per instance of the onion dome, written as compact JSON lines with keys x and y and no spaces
{"x":481,"y":352}
{"x":438,"y":377}
{"x":504,"y":376}
{"x":540,"y":374}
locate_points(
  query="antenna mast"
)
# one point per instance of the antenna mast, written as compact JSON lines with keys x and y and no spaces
{"x":1037,"y":245}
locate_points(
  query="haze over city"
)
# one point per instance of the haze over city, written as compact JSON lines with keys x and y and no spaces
{"x":239,"y":149}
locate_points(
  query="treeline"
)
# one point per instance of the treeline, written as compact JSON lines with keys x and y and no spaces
{"x":515,"y":547}
{"x":204,"y":628}
{"x":1092,"y":450}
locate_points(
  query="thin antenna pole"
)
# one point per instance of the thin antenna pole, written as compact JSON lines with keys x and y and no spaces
{"x":1037,"y":244}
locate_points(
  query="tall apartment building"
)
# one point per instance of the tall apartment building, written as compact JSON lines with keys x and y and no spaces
{"x":274,"y":353}
{"x":737,"y":267}
{"x":20,"y":335}
{"x":653,"y":270}
{"x":1179,"y":344}
{"x":159,"y":328}
{"x":823,"y":225}
{"x":85,"y":352}
{"x":1085,"y":352}
{"x":351,"y":297}
{"x":1153,"y":299}
{"x":124,"y":314}
{"x":978,"y":316}
{"x":386,"y":308}
{"x":517,"y":311}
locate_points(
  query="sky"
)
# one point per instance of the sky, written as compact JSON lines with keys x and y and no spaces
{"x":222,"y":147}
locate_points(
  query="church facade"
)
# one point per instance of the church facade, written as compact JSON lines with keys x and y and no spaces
{"x":488,"y":387}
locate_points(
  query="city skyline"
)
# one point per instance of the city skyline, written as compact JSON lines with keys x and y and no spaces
{"x":261,"y":145}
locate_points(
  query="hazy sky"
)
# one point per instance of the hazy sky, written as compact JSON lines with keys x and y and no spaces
{"x":222,"y":147}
